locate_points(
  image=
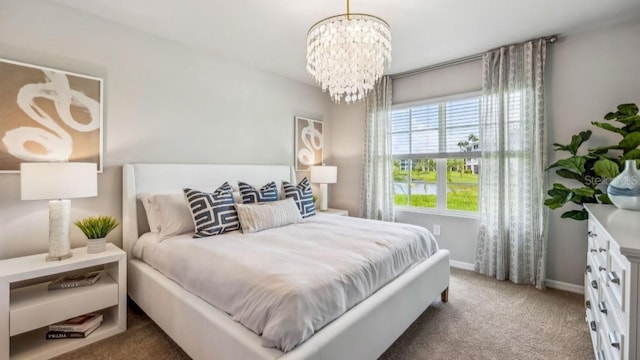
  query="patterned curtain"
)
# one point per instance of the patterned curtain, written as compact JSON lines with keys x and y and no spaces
{"x":377,"y":177}
{"x":512,"y":236}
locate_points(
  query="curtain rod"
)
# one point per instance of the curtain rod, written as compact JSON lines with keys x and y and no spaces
{"x":549,"y":39}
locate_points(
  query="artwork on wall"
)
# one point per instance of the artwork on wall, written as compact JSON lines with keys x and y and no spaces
{"x":48,"y":115}
{"x":308,"y":147}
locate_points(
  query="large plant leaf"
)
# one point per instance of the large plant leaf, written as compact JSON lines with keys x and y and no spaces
{"x":630,"y":141}
{"x":631,"y":155}
{"x":584,"y":191}
{"x":576,"y":141}
{"x":569,"y":175}
{"x":606,"y":168}
{"x":628,"y":109}
{"x":576,"y":215}
{"x":610,"y":127}
{"x":575,"y":164}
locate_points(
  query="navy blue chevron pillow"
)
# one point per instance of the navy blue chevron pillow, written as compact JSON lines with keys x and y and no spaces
{"x":302,"y":195}
{"x":249,"y":194}
{"x":212,"y":213}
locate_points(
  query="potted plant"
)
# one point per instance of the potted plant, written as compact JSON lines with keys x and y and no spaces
{"x":96,"y":228}
{"x":595,"y":169}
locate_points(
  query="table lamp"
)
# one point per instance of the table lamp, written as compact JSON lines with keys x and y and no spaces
{"x":324,"y":175}
{"x":58,"y":181}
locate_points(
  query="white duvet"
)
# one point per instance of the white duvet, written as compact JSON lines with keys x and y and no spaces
{"x":286,"y":283}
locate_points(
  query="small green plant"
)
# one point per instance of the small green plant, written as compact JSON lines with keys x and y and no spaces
{"x":97,"y":227}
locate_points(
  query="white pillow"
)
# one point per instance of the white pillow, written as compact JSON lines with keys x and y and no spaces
{"x":261,"y":216}
{"x":174,"y":215}
{"x":153,"y":217}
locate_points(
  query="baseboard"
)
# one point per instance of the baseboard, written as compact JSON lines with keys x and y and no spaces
{"x":553,"y":284}
{"x":461,"y":265}
{"x":561,"y":285}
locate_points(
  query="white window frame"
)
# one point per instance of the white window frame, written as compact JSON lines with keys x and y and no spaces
{"x":441,"y":161}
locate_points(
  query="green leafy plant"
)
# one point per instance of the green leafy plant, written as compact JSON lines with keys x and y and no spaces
{"x":597,"y":166}
{"x":97,"y":227}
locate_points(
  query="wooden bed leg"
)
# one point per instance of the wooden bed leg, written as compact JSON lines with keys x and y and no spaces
{"x":444,"y":296}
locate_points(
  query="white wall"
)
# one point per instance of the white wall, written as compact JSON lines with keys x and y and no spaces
{"x":589,"y":73}
{"x":163,"y":103}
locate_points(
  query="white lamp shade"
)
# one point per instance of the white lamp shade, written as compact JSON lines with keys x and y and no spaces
{"x":324,"y":174}
{"x":59,"y":180}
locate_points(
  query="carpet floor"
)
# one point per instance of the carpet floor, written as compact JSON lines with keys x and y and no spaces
{"x":484,"y":319}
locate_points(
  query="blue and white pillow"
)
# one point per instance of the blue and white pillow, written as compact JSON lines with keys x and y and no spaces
{"x":302,"y":195}
{"x":250,"y":195}
{"x":212,"y":213}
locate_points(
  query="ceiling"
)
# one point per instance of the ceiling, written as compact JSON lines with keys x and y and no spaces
{"x":271,"y":35}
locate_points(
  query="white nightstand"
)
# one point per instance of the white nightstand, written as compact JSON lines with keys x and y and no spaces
{"x":340,"y":212}
{"x":27,"y":307}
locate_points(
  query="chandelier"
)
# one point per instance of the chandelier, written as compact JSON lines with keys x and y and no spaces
{"x":347,"y":53}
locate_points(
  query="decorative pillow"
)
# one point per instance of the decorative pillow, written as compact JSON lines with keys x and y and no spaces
{"x":250,"y":195}
{"x":212,"y":213}
{"x":302,"y":195}
{"x":257,"y":217}
{"x":174,"y":215}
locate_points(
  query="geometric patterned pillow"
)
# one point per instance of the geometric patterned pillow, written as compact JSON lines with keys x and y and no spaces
{"x":249,"y":194}
{"x":302,"y":195}
{"x":212,"y":213}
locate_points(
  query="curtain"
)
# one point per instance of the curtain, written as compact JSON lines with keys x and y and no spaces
{"x":377,"y":177}
{"x":512,"y":237}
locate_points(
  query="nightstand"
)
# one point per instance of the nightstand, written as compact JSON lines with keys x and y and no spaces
{"x":27,"y":307}
{"x":340,"y":212}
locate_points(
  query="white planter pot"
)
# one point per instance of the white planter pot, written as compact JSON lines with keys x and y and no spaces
{"x":96,"y":245}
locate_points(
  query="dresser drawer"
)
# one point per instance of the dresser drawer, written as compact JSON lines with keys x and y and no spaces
{"x":595,"y":277}
{"x":616,"y":281}
{"x":611,"y":339}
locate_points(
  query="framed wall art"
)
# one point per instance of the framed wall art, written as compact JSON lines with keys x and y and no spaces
{"x":48,"y":115}
{"x":308,"y":144}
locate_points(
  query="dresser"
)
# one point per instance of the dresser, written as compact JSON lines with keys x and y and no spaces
{"x":611,"y":281}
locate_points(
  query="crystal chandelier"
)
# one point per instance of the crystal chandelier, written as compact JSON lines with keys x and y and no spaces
{"x":347,"y":53}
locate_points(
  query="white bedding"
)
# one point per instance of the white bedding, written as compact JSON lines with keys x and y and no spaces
{"x":286,"y":283}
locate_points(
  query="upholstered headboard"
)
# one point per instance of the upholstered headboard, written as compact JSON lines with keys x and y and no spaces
{"x":171,"y":178}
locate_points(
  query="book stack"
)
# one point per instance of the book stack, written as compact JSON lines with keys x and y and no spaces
{"x":77,"y":327}
{"x":71,"y":281}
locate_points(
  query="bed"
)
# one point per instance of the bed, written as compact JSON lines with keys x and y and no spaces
{"x":204,"y":332}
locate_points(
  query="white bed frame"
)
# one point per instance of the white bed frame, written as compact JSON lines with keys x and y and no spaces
{"x":204,"y":332}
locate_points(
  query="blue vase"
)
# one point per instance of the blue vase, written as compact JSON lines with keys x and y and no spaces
{"x":624,"y":189}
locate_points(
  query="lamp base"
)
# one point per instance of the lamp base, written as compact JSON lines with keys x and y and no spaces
{"x":59,"y":247}
{"x":58,"y":258}
{"x":324,"y":194}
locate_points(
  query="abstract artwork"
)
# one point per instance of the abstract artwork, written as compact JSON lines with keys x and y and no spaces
{"x":308,"y":147}
{"x":48,"y":115}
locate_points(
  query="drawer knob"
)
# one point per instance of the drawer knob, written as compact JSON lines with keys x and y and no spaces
{"x":593,"y":250}
{"x":588,"y":269}
{"x":590,"y":233}
{"x":602,"y":250}
{"x":613,"y":339}
{"x":588,"y":304}
{"x":603,"y":307}
{"x":602,"y":268}
{"x":613,"y":277}
{"x":594,"y":284}
{"x":592,"y":324}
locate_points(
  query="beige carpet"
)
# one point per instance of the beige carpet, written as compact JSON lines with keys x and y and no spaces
{"x":484,"y":319}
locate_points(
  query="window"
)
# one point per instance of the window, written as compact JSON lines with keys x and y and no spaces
{"x":436,"y":151}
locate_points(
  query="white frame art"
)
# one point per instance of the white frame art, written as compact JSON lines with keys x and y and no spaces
{"x":309,"y":143}
{"x":48,"y":115}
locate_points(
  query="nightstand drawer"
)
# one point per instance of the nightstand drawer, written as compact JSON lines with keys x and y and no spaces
{"x":616,"y":279}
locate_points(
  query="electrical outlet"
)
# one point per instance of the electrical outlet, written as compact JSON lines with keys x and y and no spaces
{"x":436,"y":229}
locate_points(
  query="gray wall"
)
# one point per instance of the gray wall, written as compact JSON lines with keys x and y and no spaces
{"x":589,"y":73}
{"x":163,"y":103}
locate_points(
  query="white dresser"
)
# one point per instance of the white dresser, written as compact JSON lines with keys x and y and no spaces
{"x":611,"y":282}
